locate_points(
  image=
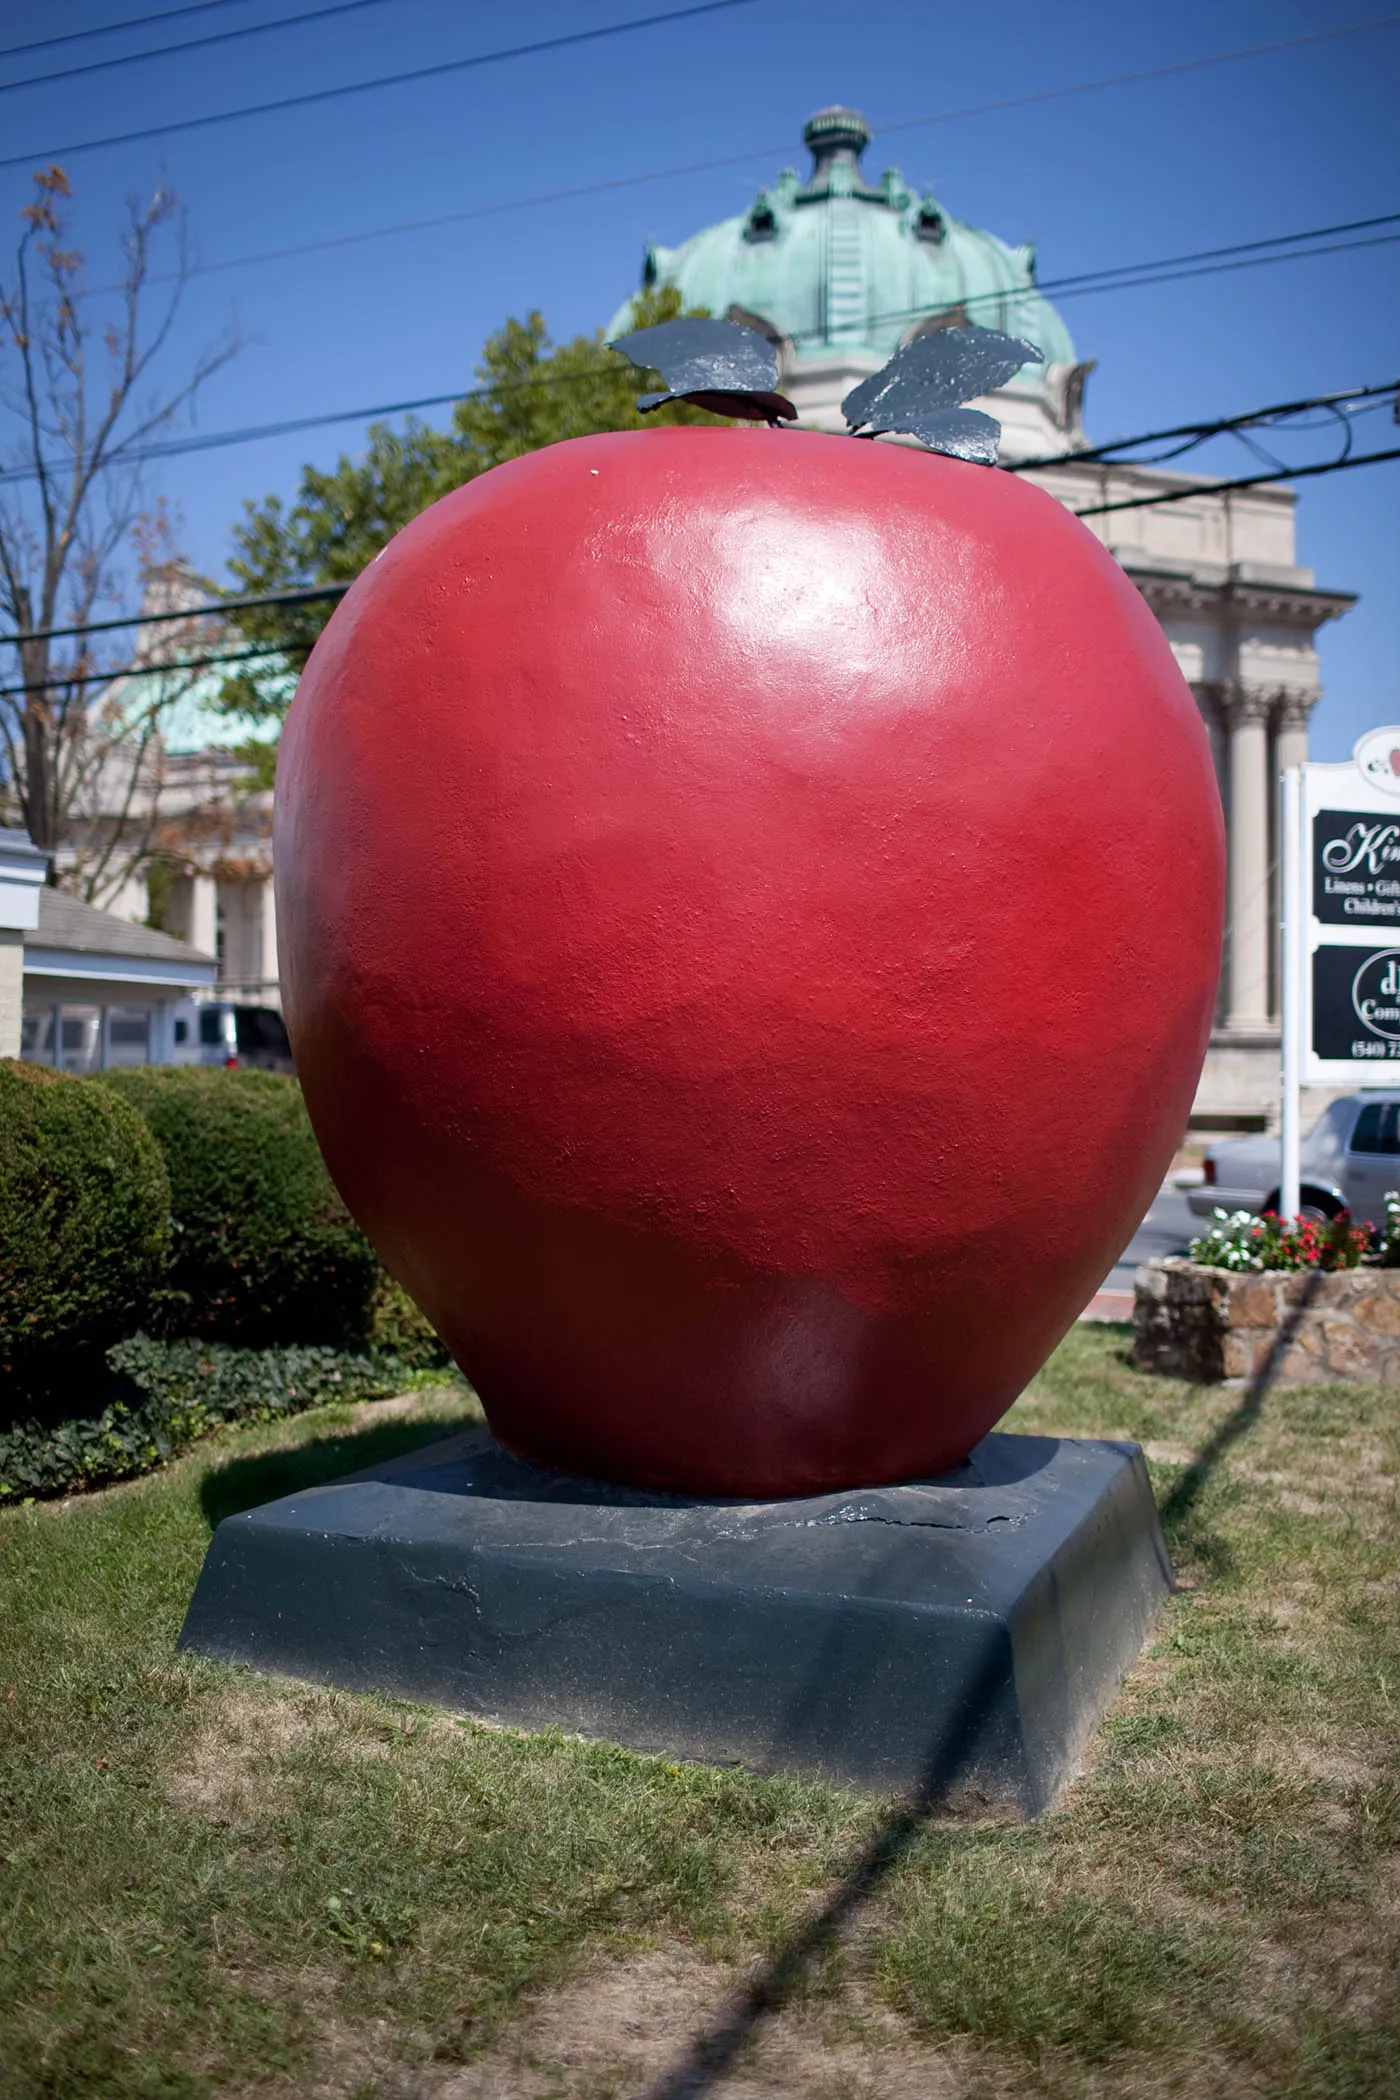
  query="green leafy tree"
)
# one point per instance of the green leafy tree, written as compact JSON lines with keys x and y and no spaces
{"x":532,"y":392}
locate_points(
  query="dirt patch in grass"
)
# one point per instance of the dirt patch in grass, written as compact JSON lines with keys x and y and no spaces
{"x":235,"y":1767}
{"x":1160,"y":1452}
{"x":224,"y":1773}
{"x":366,"y":1412}
{"x":622,"y":2026}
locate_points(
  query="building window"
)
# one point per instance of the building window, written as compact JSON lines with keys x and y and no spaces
{"x":128,"y":1035}
{"x":79,"y":1039}
{"x":36,"y":1034}
{"x":86,"y":1038}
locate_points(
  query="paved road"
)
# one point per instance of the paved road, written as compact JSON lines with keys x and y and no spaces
{"x":1165,"y":1230}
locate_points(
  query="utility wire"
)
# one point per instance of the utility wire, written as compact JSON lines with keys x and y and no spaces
{"x":475,"y":211}
{"x":140,"y":670}
{"x":571,"y":39}
{"x":313,"y":593}
{"x":295,"y":596}
{"x":206,"y":441}
{"x":195,"y":43}
{"x":1241,"y":481}
{"x":1201,"y":431}
{"x":731,"y":160}
{"x":1129,"y":277}
{"x":1182,"y":65}
{"x":213,"y":440}
{"x":80,"y":36}
{"x":137,"y":669}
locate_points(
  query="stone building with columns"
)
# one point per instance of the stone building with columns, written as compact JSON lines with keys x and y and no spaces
{"x":838,"y":270}
{"x":179,"y":834}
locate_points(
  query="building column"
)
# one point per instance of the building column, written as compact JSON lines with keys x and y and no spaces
{"x":1248,"y":921}
{"x":202,"y":931}
{"x":22,"y":871}
{"x":11,"y":990}
{"x":1295,"y":707}
{"x":267,"y":969}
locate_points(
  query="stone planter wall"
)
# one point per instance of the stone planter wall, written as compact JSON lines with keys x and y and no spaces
{"x":1205,"y":1324}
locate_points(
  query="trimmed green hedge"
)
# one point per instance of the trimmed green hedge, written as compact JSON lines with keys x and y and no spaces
{"x":264,"y":1252}
{"x":399,"y":1327}
{"x":85,"y":1228}
{"x":169,"y":1393}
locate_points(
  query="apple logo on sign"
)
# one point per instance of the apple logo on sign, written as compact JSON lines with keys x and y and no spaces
{"x":1376,"y":757}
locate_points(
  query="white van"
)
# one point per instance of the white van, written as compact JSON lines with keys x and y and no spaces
{"x":217,"y":1032}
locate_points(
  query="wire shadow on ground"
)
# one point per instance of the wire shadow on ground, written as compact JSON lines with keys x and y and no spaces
{"x":713,"y":2054}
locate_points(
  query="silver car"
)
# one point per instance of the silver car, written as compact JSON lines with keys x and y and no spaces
{"x":1350,"y":1161}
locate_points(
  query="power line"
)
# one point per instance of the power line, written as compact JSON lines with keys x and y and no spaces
{"x":1241,"y":481}
{"x":213,"y":440}
{"x":80,"y":36}
{"x":1183,"y":65}
{"x":571,"y":39}
{"x":136,"y":669}
{"x":1079,"y":285}
{"x":1128,"y":277}
{"x":1202,"y":431}
{"x":313,"y":593}
{"x":195,"y":43}
{"x":139,"y":670}
{"x":475,"y":211}
{"x":295,"y":596}
{"x":539,"y":198}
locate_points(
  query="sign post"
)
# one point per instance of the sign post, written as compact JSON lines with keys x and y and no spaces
{"x":1292,"y":949}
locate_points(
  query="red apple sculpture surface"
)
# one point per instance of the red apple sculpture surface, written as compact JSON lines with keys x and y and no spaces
{"x":751,"y":911}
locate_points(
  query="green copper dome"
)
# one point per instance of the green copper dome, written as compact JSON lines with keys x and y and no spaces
{"x":838,"y":264}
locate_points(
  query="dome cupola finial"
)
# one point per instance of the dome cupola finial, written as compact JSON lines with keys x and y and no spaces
{"x":835,"y":136}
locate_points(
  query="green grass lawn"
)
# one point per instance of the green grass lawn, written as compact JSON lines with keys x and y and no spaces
{"x":215,"y":1884}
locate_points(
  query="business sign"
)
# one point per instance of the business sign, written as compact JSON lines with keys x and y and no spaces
{"x":1347,"y":911}
{"x":1356,"y":868}
{"x":1356,"y":1005}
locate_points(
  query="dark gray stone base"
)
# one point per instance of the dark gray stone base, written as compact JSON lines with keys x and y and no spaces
{"x":958,"y":1636}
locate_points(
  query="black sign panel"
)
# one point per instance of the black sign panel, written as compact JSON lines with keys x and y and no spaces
{"x":1356,"y":868}
{"x":1356,"y":1004}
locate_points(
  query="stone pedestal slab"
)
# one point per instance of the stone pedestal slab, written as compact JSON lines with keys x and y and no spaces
{"x":960,"y":1636}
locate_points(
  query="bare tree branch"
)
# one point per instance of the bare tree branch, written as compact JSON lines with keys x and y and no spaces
{"x":82,"y":770}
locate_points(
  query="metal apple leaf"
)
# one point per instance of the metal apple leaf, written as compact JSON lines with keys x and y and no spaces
{"x":713,"y":364}
{"x":920,"y":392}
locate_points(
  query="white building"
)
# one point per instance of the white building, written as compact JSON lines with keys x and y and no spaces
{"x":100,"y":991}
{"x":180,"y":831}
{"x":80,"y":988}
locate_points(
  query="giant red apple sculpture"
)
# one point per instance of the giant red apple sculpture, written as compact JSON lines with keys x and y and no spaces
{"x":751,"y":912}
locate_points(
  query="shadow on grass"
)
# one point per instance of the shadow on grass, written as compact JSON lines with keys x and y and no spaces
{"x":246,"y":1483}
{"x":713,"y":2054}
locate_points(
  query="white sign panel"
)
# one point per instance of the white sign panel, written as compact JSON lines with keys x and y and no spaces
{"x":1348,"y":892}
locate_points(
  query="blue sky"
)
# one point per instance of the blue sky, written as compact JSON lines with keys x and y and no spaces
{"x":1233,"y":152}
